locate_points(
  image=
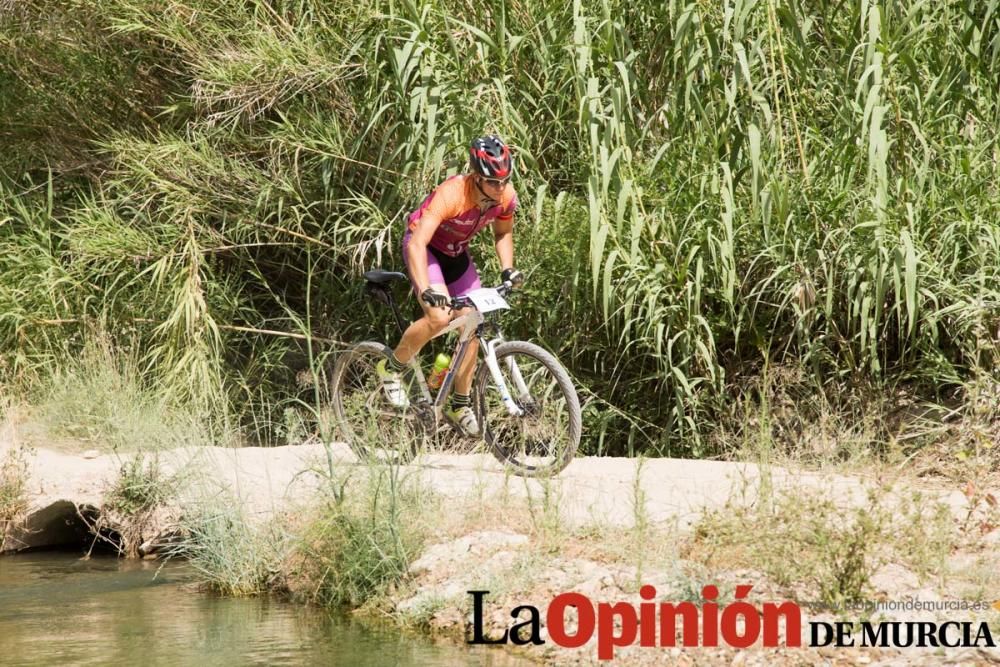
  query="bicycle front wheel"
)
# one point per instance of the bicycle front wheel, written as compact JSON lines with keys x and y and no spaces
{"x":544,"y":438}
{"x":374,"y":428}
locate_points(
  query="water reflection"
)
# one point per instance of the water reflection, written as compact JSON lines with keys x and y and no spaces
{"x":57,"y":609}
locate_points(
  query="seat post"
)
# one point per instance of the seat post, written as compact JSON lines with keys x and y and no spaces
{"x":378,"y":283}
{"x":395,"y":312}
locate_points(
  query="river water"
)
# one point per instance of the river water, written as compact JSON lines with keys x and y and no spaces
{"x":56,"y":609}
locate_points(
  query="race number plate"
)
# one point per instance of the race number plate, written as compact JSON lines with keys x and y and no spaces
{"x":487,"y":300}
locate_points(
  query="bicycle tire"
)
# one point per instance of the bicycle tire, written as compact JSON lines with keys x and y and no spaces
{"x":365,"y":417}
{"x":500,"y":430}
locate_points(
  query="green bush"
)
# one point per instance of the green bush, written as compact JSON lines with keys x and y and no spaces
{"x":363,"y":540}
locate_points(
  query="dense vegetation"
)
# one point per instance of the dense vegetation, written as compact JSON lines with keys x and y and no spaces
{"x":708,"y":189}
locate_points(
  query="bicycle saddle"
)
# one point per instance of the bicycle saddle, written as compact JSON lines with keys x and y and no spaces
{"x":380,"y":277}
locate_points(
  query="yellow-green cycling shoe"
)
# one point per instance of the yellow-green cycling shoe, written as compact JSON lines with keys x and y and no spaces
{"x":464,"y":418}
{"x":392,"y":385}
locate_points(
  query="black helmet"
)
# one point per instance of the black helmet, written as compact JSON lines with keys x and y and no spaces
{"x":490,"y":157}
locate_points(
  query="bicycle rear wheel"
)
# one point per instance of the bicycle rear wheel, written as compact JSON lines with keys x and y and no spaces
{"x":374,"y":428}
{"x":543,"y":440}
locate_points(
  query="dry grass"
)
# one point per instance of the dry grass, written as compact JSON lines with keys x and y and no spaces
{"x":818,"y":547}
{"x":13,"y":488}
{"x":141,"y":491}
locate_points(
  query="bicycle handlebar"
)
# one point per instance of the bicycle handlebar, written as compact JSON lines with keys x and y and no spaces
{"x":465,"y":302}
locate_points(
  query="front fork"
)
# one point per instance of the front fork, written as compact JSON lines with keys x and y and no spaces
{"x":490,"y":356}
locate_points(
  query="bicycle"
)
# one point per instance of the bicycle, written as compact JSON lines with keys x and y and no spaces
{"x":534,"y":431}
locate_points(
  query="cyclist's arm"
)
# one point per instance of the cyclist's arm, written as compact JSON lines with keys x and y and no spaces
{"x":503,"y":237}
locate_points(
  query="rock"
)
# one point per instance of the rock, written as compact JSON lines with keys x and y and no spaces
{"x":460,"y":550}
{"x":52,"y":525}
{"x":893,"y":578}
{"x":164,"y":539}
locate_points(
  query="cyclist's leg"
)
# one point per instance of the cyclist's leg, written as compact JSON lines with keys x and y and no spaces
{"x":422,"y":330}
{"x":413,"y":339}
{"x":434,"y":319}
{"x":461,"y":411}
{"x":465,"y":283}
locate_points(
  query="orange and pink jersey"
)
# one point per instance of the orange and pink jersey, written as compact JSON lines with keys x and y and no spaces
{"x":455,"y":203}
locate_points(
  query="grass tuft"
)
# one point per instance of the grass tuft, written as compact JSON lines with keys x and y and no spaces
{"x":13,"y":488}
{"x":361,"y":541}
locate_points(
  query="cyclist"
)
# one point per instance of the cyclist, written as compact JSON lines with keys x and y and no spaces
{"x":435,"y":252}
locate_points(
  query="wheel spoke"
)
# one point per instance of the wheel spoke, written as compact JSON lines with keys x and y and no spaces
{"x":372,"y":426}
{"x":544,"y":438}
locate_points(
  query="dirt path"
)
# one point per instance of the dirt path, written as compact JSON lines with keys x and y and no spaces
{"x":604,"y":491}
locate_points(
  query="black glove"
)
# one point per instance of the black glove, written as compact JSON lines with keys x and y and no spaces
{"x":513,"y":276}
{"x":434,"y":299}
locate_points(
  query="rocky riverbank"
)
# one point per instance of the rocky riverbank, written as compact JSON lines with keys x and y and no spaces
{"x":603,"y":529}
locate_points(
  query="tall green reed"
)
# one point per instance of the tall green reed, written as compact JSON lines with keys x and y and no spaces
{"x":702,"y":186}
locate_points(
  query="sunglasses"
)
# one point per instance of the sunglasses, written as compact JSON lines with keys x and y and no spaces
{"x":497,"y":182}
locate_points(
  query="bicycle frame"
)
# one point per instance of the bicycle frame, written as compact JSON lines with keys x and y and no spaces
{"x":470,"y":324}
{"x":527,"y":437}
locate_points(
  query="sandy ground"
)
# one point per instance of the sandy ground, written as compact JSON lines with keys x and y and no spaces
{"x":591,"y":490}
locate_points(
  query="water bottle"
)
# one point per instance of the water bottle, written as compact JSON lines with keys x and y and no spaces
{"x":439,"y":370}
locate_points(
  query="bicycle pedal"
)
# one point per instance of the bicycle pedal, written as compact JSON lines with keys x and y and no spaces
{"x":456,"y":428}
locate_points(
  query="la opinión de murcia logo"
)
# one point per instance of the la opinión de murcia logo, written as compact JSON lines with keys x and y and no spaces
{"x":738,"y":624}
